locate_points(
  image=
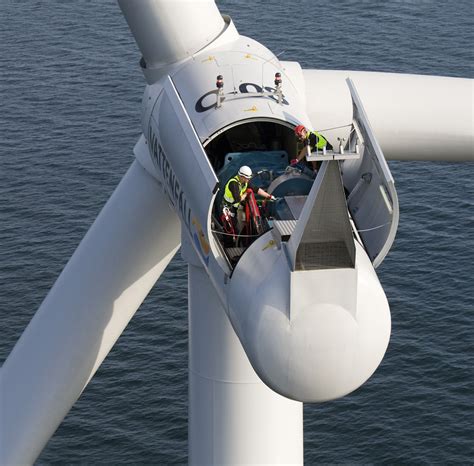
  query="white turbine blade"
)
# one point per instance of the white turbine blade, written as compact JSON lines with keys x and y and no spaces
{"x":168,"y":31}
{"x":414,"y":117}
{"x":113,"y":269}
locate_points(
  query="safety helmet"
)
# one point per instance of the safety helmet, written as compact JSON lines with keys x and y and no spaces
{"x":245,"y":171}
{"x":299,"y":130}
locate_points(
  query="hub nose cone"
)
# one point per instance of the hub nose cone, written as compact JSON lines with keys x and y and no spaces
{"x":310,"y":335}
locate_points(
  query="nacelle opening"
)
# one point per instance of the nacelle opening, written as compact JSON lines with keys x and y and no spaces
{"x":266,"y":147}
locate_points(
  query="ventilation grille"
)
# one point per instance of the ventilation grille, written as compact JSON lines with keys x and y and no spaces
{"x":327,"y":240}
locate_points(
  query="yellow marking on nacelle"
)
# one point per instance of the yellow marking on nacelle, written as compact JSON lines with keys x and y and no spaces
{"x":208,"y":59}
{"x":270,"y":244}
{"x":201,"y":237}
{"x":251,"y":109}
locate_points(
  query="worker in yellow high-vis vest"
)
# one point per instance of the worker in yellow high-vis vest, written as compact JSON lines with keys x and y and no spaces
{"x":235,"y":190}
{"x":313,"y":139}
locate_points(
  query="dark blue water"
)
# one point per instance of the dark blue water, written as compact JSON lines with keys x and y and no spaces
{"x":70,"y":91}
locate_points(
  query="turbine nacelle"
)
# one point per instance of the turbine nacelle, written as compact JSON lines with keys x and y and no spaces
{"x":200,"y":123}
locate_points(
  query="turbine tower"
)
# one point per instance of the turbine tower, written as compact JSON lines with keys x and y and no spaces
{"x":289,"y":310}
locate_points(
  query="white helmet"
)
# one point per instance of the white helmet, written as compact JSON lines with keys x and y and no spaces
{"x":245,"y":171}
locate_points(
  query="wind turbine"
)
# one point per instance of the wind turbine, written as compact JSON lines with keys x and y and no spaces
{"x":91,"y":318}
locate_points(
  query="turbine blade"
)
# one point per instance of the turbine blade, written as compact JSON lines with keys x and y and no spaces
{"x":167,"y":32}
{"x":111,"y":272}
{"x":414,"y":117}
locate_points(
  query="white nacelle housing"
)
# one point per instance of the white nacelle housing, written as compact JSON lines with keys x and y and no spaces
{"x":308,"y":337}
{"x":247,"y":70}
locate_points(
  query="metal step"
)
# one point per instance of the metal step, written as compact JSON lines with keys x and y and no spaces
{"x":331,"y":155}
{"x":234,"y":253}
{"x":283,"y":229}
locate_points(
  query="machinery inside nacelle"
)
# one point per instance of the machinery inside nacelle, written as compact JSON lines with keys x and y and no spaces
{"x":266,"y":147}
{"x":250,"y":136}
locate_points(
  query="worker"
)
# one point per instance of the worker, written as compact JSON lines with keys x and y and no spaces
{"x":235,"y":192}
{"x":312,"y":139}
